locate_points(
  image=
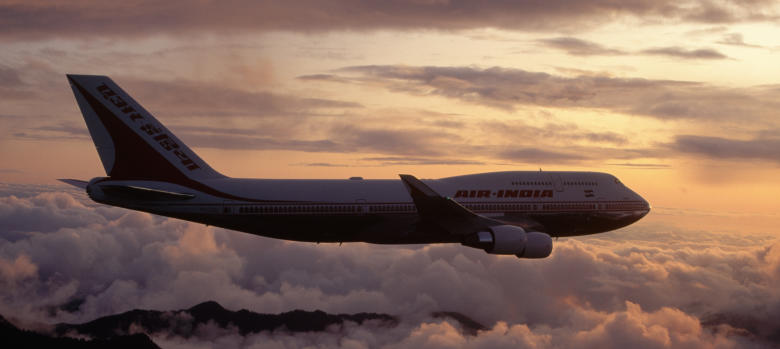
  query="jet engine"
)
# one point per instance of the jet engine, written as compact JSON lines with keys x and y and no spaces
{"x":539,"y":245}
{"x":510,"y":239}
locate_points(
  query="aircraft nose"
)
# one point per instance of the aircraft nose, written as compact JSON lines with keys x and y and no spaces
{"x":643,"y":206}
{"x":646,"y":207}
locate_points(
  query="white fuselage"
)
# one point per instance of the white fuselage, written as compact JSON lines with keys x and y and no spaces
{"x":381,"y":211}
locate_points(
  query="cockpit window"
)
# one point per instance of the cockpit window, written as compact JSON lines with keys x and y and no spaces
{"x":617,"y":181}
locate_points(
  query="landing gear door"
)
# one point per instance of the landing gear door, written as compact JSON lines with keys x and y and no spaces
{"x":557,"y":182}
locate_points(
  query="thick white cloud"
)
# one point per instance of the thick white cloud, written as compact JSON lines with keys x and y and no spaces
{"x":645,"y":285}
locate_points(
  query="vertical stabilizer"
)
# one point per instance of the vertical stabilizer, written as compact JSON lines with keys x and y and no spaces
{"x":131,"y":143}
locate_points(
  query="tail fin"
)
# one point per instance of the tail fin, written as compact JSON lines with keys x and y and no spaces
{"x":131,"y":143}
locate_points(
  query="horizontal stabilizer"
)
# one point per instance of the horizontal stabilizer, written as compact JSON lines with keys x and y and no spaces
{"x":130,"y":192}
{"x":74,"y":182}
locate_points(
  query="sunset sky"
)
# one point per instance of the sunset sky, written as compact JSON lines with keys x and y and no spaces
{"x":679,"y":99}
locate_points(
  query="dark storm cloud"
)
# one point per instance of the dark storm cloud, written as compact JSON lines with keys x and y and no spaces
{"x":23,"y":20}
{"x":508,"y":89}
{"x":724,"y":148}
{"x":644,"y":285}
{"x":579,"y":47}
{"x":680,"y":52}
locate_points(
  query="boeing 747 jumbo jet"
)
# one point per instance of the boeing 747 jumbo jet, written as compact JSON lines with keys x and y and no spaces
{"x":513,"y":213}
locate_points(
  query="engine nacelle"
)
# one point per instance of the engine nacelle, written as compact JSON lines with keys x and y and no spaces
{"x":94,"y":191}
{"x":510,"y":239}
{"x":538,"y":245}
{"x":499,"y":239}
{"x":507,"y":239}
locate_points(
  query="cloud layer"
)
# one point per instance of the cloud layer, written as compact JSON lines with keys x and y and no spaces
{"x":508,"y":89}
{"x":648,"y":285}
{"x":762,"y":148}
{"x":229,"y":116}
{"x":22,"y":19}
{"x":579,"y":47}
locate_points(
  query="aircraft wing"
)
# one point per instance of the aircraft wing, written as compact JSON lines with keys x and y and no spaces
{"x":443,"y":211}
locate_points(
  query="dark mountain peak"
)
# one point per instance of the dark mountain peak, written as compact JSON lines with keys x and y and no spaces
{"x":208,"y":307}
{"x":304,"y":313}
{"x":132,"y":341}
{"x":245,"y":321}
{"x":5,"y":323}
{"x":22,"y":338}
{"x":114,"y":325}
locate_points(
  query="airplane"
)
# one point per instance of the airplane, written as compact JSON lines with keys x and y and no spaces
{"x":507,"y":213}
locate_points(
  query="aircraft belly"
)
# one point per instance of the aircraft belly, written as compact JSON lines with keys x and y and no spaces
{"x":575,"y":224}
{"x":375,"y":228}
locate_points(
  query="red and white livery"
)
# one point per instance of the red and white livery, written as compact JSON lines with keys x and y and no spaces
{"x":149,"y":169}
